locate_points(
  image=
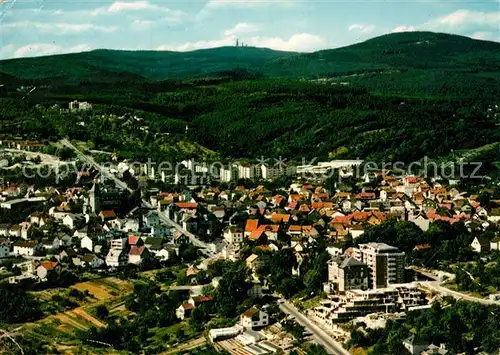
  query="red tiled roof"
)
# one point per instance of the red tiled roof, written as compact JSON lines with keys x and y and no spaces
{"x":342,"y":195}
{"x":187,"y":205}
{"x":342,"y":220}
{"x":132,"y":239}
{"x":304,"y":208}
{"x":320,"y":205}
{"x":108,"y":214}
{"x":322,"y":196}
{"x":251,"y":225}
{"x":202,"y":298}
{"x":366,"y":195}
{"x":49,"y":265}
{"x":411,"y":179}
{"x":422,"y":246}
{"x":278,"y":217}
{"x":136,"y":250}
{"x":278,"y":199}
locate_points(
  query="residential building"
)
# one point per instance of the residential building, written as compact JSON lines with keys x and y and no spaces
{"x":26,"y":247}
{"x":248,"y":172}
{"x":184,"y":310}
{"x":116,"y":258}
{"x":137,"y":254}
{"x":46,"y":268}
{"x":228,"y":174}
{"x":273,"y":172}
{"x":495,"y":243}
{"x":254,"y":318}
{"x":74,"y":221}
{"x":233,"y":235}
{"x":385,"y":263}
{"x":414,"y":346}
{"x":4,"y":247}
{"x":347,"y":273}
{"x":435,"y":350}
{"x":480,"y":244}
{"x":87,"y":243}
{"x":358,"y":303}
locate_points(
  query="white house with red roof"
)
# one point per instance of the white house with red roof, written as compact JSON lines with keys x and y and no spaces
{"x":254,"y":318}
{"x":47,"y":267}
{"x":137,"y":254}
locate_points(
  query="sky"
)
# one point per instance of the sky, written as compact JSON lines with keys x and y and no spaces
{"x":42,"y":27}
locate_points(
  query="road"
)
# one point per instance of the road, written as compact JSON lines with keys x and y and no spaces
{"x":119,"y":183}
{"x":90,"y":161}
{"x":433,"y":285}
{"x":320,"y":336}
{"x":195,"y":241}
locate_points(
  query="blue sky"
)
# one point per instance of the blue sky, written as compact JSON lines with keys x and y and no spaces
{"x":41,"y":27}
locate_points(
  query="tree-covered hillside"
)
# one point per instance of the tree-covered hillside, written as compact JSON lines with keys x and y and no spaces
{"x":134,"y":66}
{"x":240,"y":117}
{"x":411,"y":62}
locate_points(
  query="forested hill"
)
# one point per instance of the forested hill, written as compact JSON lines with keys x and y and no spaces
{"x":413,"y":62}
{"x":135,"y":66}
{"x":398,"y":97}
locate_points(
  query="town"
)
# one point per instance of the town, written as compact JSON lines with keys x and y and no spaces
{"x":292,"y":257}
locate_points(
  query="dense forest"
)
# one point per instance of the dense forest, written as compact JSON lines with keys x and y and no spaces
{"x":250,"y":118}
{"x":462,"y":326}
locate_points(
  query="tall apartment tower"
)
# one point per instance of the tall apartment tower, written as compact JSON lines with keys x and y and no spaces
{"x":385,"y":264}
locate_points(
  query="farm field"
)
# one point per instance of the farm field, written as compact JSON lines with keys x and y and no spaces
{"x":62,"y":329}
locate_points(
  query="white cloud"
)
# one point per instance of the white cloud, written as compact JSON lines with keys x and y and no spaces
{"x":81,"y":48}
{"x":213,"y":5}
{"x":122,"y":6}
{"x":141,"y":24}
{"x":300,"y":42}
{"x":362,"y":28}
{"x":38,"y":49}
{"x":133,"y":6}
{"x":7,"y":51}
{"x":245,"y":3}
{"x":59,"y":28}
{"x":242,"y":28}
{"x":468,"y":18}
{"x":486,"y":36}
{"x":463,"y":21}
{"x":404,"y":29}
{"x":191,"y":46}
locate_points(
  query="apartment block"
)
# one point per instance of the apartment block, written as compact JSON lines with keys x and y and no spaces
{"x":385,"y":263}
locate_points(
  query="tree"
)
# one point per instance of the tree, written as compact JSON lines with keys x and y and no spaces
{"x":102,"y":312}
{"x":231,"y":291}
{"x":298,"y":332}
{"x":17,"y":306}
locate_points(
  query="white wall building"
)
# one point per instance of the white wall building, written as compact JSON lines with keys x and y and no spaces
{"x":233,"y":235}
{"x":254,"y":318}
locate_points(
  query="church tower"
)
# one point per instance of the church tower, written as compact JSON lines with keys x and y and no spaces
{"x":95,"y":199}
